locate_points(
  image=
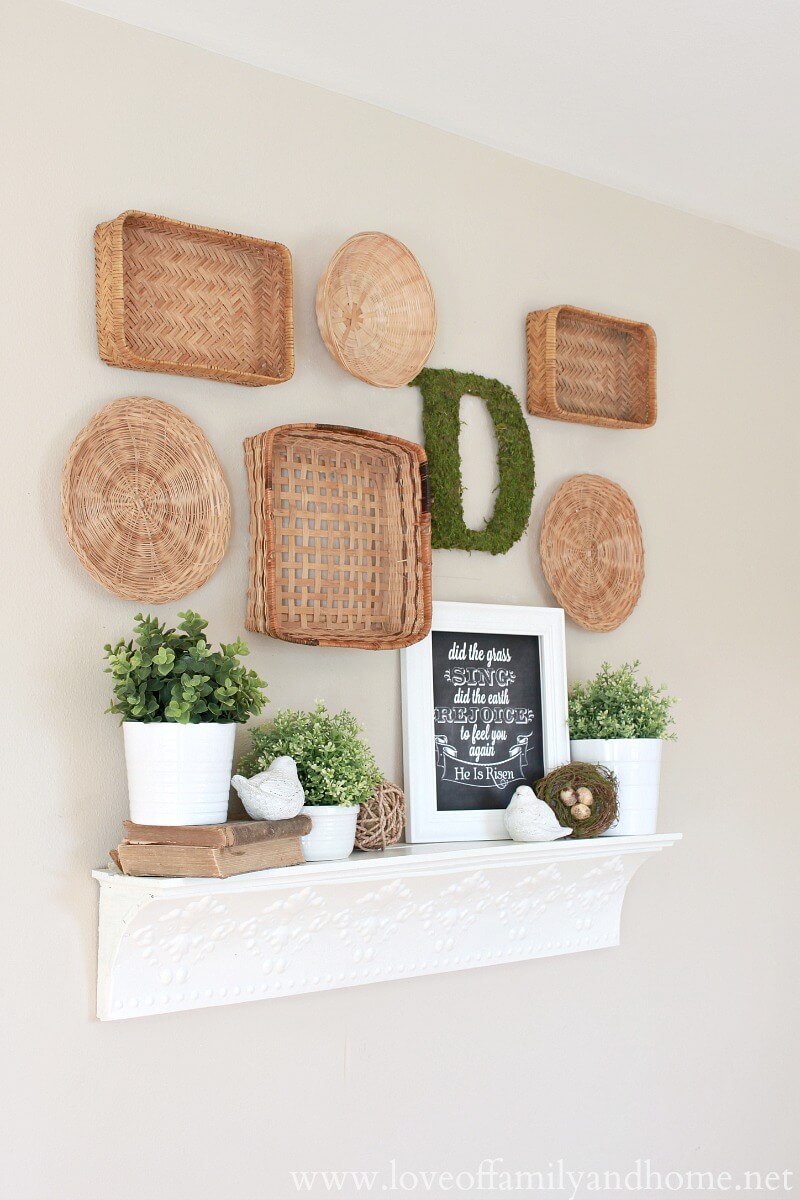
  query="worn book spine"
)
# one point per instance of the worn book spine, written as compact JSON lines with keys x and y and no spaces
{"x":232,"y":833}
{"x":207,"y":862}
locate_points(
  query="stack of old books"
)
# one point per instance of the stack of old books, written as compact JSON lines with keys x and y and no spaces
{"x":210,"y":851}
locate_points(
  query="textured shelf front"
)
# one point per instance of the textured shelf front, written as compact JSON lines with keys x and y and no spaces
{"x":172,"y":944}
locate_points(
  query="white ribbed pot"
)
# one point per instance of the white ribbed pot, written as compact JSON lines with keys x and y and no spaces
{"x":178,"y":774}
{"x":636,"y":762}
{"x":333,"y":831}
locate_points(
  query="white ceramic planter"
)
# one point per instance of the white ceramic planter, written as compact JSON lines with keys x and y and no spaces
{"x":333,"y":831}
{"x":636,"y":762}
{"x":178,"y":774}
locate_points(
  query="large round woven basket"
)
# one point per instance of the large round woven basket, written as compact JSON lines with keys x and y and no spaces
{"x":376,"y":311}
{"x":144,"y":501}
{"x":592,"y":553}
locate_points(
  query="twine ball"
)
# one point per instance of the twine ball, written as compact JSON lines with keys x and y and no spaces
{"x":381,"y":819}
{"x":583,"y":796}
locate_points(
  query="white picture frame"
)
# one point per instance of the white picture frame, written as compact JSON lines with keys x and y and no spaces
{"x":424,"y":821}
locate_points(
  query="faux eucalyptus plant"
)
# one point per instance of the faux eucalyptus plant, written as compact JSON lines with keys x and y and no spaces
{"x":615,"y":704}
{"x":175,"y":675}
{"x":335,"y":764}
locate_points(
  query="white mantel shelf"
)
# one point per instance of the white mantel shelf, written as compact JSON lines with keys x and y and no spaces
{"x":172,"y":944}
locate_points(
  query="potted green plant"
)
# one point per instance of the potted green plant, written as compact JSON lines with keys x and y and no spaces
{"x":336,"y":768}
{"x":180,"y":701}
{"x":621,"y":722}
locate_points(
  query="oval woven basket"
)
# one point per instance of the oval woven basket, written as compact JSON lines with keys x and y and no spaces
{"x":376,"y":311}
{"x":592,"y":552}
{"x":144,"y":501}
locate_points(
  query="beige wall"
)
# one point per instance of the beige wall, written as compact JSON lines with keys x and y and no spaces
{"x":677,"y":1046}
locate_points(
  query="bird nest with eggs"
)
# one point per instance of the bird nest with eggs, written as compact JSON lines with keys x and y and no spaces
{"x":582,"y":796}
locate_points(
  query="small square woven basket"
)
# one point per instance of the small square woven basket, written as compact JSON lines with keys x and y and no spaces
{"x":340,"y":538}
{"x":590,"y":368}
{"x":182,"y":299}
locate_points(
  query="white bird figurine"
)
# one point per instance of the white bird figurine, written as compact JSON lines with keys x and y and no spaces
{"x":274,"y":795}
{"x":529,"y":819}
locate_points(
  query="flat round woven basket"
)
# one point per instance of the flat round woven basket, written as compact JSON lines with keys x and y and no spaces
{"x":144,"y":501}
{"x":376,"y":311}
{"x":592,"y":553}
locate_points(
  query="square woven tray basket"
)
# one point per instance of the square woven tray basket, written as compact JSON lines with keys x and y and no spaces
{"x":340,"y":537}
{"x":185,"y":300}
{"x":590,"y":368}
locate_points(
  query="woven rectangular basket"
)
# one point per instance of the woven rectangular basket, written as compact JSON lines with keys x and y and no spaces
{"x":185,"y":300}
{"x":587,"y":367}
{"x":340,"y":537}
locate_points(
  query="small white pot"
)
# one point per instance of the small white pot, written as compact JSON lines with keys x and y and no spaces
{"x":333,"y":831}
{"x":636,"y":762}
{"x":178,"y":774}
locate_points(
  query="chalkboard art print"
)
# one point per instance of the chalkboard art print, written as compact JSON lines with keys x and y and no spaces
{"x":487,"y":716}
{"x":484,"y":710}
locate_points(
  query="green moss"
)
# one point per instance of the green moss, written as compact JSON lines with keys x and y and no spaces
{"x":441,"y":421}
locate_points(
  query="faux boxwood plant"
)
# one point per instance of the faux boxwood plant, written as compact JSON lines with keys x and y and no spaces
{"x":615,"y":704}
{"x":335,"y":764}
{"x":175,"y":675}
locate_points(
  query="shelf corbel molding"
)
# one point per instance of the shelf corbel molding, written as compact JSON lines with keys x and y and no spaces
{"x":166,"y":945}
